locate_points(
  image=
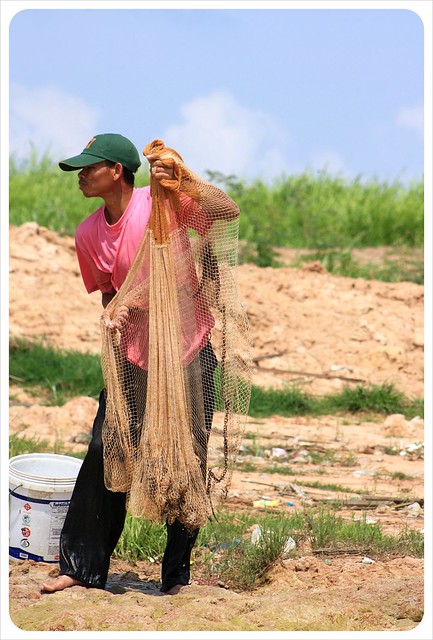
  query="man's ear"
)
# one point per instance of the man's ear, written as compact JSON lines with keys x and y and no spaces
{"x":118,"y":171}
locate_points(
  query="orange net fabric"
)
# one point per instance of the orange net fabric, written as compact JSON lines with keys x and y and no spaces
{"x":178,"y":374}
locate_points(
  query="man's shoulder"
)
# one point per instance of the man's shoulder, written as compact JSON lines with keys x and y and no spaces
{"x":141,"y":203}
{"x":89,"y":223}
{"x":141,"y":193}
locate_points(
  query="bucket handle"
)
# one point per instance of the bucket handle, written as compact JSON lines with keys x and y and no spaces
{"x":15,"y":488}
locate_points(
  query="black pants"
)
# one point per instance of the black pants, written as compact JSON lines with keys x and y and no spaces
{"x":96,"y":516}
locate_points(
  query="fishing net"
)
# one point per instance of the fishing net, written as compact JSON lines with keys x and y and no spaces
{"x":182,"y":355}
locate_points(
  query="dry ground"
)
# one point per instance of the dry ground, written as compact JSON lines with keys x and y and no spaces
{"x":310,"y":328}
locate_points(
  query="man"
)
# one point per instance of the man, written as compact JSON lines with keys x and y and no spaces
{"x":106,"y":244}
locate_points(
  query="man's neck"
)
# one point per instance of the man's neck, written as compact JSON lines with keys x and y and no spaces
{"x":116,"y":203}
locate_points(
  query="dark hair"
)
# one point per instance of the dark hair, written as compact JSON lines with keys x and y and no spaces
{"x":127,"y":174}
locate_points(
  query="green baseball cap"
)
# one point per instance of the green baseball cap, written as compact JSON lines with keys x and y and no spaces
{"x":105,"y":146}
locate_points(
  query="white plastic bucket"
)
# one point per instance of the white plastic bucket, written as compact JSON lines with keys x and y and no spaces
{"x":40,"y":489}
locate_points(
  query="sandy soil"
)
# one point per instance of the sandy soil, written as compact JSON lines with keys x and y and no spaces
{"x":310,"y":328}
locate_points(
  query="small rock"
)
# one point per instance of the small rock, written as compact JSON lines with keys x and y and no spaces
{"x":369,"y":450}
{"x":315,"y":266}
{"x":414,"y":509}
{"x":418,"y":339}
{"x":383,"y":508}
{"x":397,"y":425}
{"x":277,"y":452}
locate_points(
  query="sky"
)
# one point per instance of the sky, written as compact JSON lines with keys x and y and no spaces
{"x":254,"y":92}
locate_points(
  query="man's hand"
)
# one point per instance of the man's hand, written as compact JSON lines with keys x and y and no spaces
{"x":119,"y":319}
{"x":160,"y":170}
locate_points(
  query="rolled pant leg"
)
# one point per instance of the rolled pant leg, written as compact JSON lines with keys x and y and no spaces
{"x":177,"y":556}
{"x":95,"y":517}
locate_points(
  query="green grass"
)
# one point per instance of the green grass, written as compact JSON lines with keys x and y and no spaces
{"x":57,"y":374}
{"x":323,"y":212}
{"x":225,"y":553}
{"x":326,"y":486}
{"x":403,"y":267}
{"x":328,"y":531}
{"x":141,"y":540}
{"x":19,"y":445}
{"x":245,"y":566}
{"x":61,"y":375}
{"x":326,"y":213}
{"x":224,"y":543}
{"x":370,"y":399}
{"x":320,"y":212}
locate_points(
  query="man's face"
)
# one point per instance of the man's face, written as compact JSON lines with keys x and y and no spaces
{"x":96,"y":180}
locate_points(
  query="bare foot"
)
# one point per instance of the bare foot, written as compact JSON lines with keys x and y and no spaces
{"x":60,"y":583}
{"x":175,"y":590}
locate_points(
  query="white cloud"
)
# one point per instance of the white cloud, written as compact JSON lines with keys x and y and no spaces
{"x":49,"y":119}
{"x":412,"y":118}
{"x":219,"y":134}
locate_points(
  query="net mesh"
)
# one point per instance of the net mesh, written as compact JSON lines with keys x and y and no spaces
{"x":183,"y":354}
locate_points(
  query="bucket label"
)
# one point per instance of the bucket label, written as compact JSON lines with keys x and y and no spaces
{"x":36,"y":535}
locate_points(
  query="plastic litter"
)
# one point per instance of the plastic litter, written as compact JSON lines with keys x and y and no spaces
{"x":367,"y":560}
{"x":289,"y":546}
{"x":256,"y":534}
{"x":224,"y":545}
{"x":413,"y":451}
{"x":298,"y":490}
{"x":366,"y":520}
{"x":266,"y":503}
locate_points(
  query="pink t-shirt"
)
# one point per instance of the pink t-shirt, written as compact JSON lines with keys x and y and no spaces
{"x":106,"y":252}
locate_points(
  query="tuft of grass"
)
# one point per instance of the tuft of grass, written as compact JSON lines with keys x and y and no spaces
{"x":408,"y":542}
{"x":290,"y":401}
{"x":328,"y":531}
{"x":332,"y":487}
{"x":245,"y":568}
{"x":61,"y":374}
{"x":340,"y":261}
{"x":328,"y":457}
{"x":377,"y":399}
{"x":400,"y":475}
{"x":226,"y":553}
{"x":141,"y":540}
{"x":20,"y":445}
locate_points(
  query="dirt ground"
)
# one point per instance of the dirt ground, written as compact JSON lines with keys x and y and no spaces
{"x":310,"y":328}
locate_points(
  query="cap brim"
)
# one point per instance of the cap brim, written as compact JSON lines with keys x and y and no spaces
{"x":78,"y":162}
